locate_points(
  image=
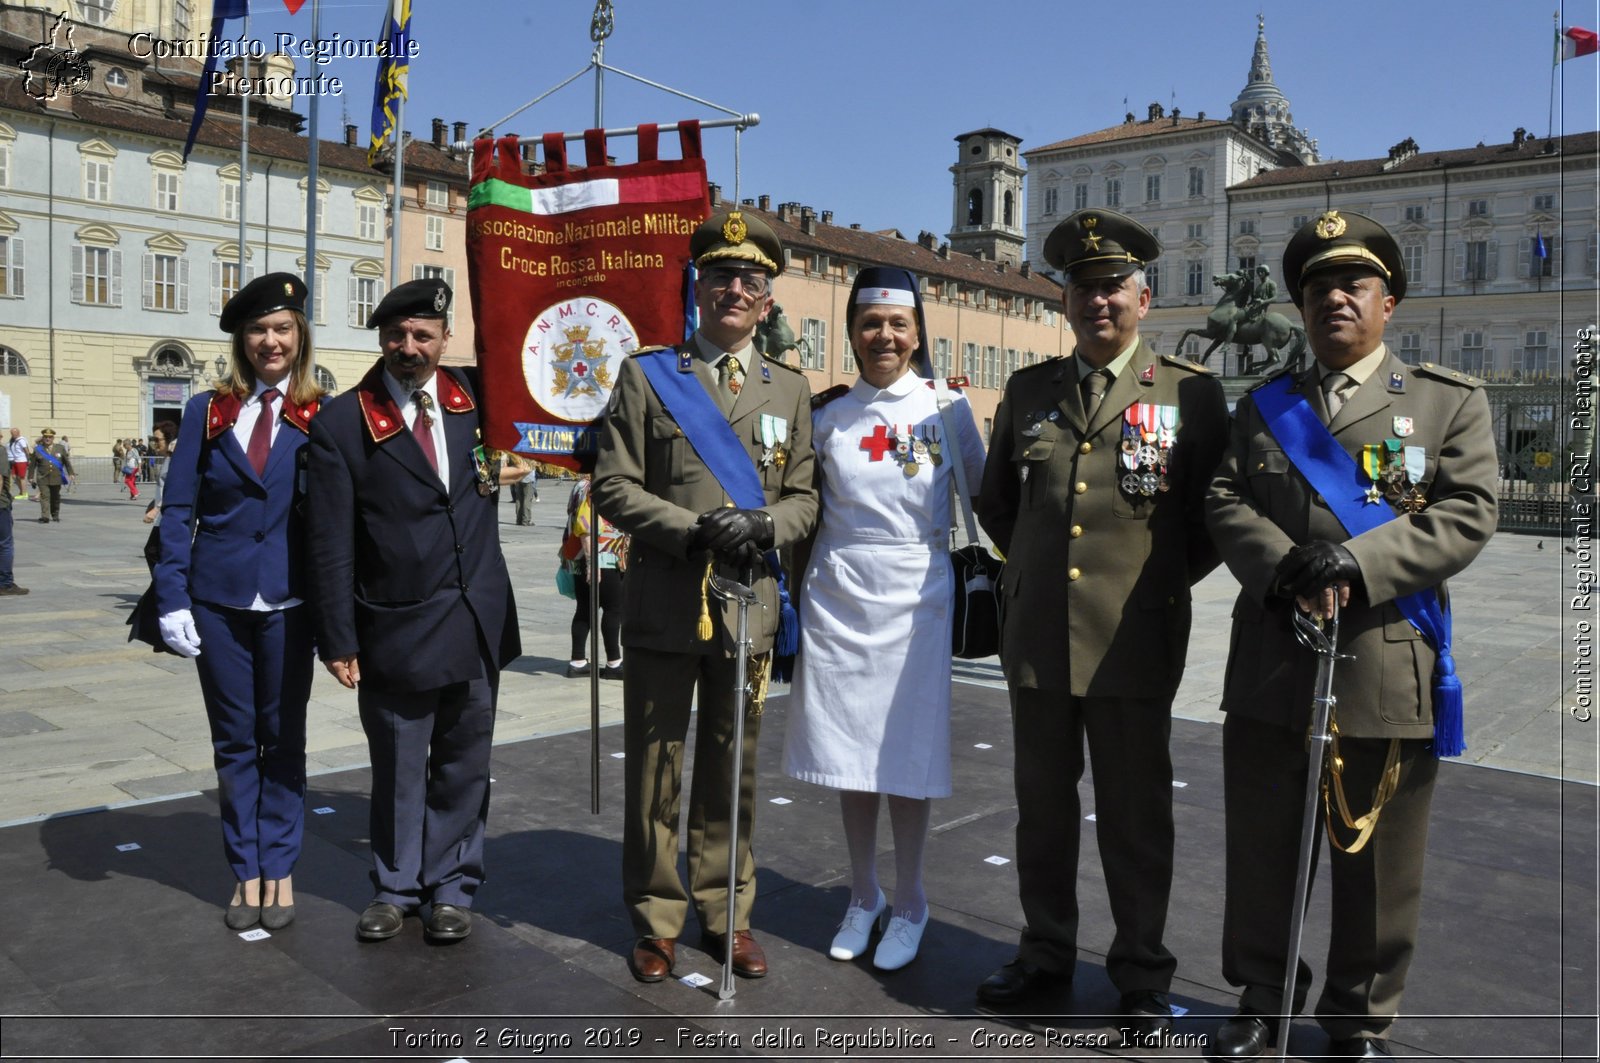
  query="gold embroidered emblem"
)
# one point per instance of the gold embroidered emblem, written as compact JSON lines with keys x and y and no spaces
{"x":288,"y":289}
{"x":734,"y":230}
{"x":1092,"y":241}
{"x":1330,"y":225}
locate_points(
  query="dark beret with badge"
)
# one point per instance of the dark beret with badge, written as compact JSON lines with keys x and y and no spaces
{"x":1342,"y":238}
{"x":263,"y":296}
{"x":733,"y":236}
{"x":424,"y":297}
{"x":1091,"y":244}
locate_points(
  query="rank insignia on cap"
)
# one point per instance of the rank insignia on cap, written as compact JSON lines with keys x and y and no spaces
{"x":288,"y":289}
{"x":1404,"y":426}
{"x":1091,"y":242}
{"x":1330,"y":226}
{"x":440,"y":300}
{"x":734,"y":230}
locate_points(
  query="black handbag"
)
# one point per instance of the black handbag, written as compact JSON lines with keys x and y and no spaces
{"x":975,"y":631}
{"x":144,"y":623}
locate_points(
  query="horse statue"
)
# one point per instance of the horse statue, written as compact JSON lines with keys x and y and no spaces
{"x":774,"y":335}
{"x":1240,"y":317}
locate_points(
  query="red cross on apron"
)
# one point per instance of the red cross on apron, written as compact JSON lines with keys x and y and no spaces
{"x":879,"y":443}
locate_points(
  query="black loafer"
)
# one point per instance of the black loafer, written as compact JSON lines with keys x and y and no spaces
{"x":448,"y":923}
{"x":1149,"y":1015}
{"x":241,"y":916}
{"x":380,"y":922}
{"x":1017,"y":980}
{"x":1359,"y":1048}
{"x":1244,"y":1036}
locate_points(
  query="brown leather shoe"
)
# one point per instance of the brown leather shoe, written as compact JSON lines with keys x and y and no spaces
{"x":652,"y":958}
{"x":748,"y":959}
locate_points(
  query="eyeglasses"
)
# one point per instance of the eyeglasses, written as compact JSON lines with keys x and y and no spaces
{"x":754,"y":281}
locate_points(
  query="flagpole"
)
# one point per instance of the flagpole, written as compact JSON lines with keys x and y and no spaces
{"x":244,"y":143}
{"x":311,"y":194}
{"x":396,"y":196}
{"x":1555,"y":61}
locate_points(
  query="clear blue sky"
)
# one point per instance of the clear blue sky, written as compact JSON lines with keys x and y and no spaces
{"x":860,"y":99}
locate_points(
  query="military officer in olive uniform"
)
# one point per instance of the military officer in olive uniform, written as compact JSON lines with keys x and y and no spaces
{"x":49,"y":469}
{"x":653,"y":482}
{"x":1093,"y":489}
{"x":1421,"y":437}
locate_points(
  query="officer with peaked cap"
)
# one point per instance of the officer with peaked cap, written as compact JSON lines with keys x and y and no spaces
{"x":654,"y":481}
{"x":49,"y":468}
{"x":414,"y":607}
{"x":1097,"y":468}
{"x":1419,"y":438}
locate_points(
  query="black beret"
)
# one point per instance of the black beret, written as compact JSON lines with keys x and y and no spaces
{"x":1343,"y":238}
{"x":425,"y":297}
{"x":262,"y":296}
{"x":1099,"y":243}
{"x":735,"y":236}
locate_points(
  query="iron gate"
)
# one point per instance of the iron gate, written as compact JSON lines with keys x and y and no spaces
{"x":1533,"y":442}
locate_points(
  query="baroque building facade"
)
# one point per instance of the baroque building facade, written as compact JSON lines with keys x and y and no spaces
{"x":116,"y":255}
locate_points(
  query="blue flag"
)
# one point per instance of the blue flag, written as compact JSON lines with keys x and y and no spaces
{"x":221,"y":12}
{"x":1539,"y":248}
{"x":392,"y":71}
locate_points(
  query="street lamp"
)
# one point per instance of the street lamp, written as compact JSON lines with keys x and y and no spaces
{"x":221,"y":365}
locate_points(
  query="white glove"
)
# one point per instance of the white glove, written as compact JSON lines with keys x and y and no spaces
{"x":177,"y":631}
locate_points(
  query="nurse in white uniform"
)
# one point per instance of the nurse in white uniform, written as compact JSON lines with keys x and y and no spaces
{"x":870,"y":707}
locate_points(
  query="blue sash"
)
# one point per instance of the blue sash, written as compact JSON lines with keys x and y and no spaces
{"x":1334,"y":474}
{"x":712,"y":437}
{"x":66,"y":481}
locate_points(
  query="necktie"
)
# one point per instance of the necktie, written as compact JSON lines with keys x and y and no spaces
{"x":730,"y":376}
{"x":261,"y":435}
{"x":1333,"y":388}
{"x":422,"y":427}
{"x":1094,"y":389}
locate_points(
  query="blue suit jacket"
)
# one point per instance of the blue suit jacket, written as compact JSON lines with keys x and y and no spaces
{"x":250,"y":537}
{"x":403,"y":573}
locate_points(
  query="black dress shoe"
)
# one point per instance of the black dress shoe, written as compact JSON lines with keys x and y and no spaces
{"x":1149,"y":1015}
{"x":1019,"y":979}
{"x":1243,"y":1037}
{"x":380,"y":922}
{"x":1358,"y":1048}
{"x":448,"y":923}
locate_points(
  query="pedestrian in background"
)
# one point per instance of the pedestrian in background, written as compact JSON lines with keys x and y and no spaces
{"x":49,"y":470}
{"x":17,"y":463}
{"x":612,"y":565}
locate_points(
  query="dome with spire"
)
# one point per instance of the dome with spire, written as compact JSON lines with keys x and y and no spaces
{"x":1262,"y":110}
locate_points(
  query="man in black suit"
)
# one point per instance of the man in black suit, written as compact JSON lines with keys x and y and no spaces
{"x":413,"y":606}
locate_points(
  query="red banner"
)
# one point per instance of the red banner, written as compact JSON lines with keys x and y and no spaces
{"x":570,"y":272}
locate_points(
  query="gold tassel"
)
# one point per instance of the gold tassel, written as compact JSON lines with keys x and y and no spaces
{"x":703,"y":632}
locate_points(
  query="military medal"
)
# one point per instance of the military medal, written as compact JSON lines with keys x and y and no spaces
{"x":1147,"y":455}
{"x":774,"y":434}
{"x":485,"y":471}
{"x":911,"y":468}
{"x":1149,"y":421}
{"x":1130,"y":484}
{"x":936,"y":452}
{"x":1149,"y":484}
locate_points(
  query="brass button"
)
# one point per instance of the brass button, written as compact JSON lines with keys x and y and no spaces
{"x":1073,"y":573}
{"x":1080,"y":487}
{"x":1085,"y":447}
{"x":1077,"y":530}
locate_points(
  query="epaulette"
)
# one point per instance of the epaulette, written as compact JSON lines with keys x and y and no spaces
{"x":771,"y":360}
{"x":1054,"y":358}
{"x":1264,"y":381}
{"x":954,"y":383}
{"x":1184,"y":363}
{"x":646,"y":350}
{"x":822,"y":398}
{"x":1449,"y":376}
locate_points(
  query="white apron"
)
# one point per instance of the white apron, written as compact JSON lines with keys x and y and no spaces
{"x":870,"y":703}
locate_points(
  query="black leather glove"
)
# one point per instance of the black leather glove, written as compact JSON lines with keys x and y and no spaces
{"x":723,"y":531}
{"x":746,"y":557}
{"x":1310,"y":568}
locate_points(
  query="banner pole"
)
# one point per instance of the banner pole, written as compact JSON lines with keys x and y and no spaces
{"x":244,"y":146}
{"x":395,"y":194}
{"x":311,"y":191}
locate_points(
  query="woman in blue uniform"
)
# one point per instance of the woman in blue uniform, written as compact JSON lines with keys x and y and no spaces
{"x":229,"y":586}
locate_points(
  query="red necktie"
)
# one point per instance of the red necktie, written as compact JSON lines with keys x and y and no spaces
{"x":422,"y":428}
{"x":261,"y":434}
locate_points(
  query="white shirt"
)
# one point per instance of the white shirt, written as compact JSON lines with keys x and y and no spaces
{"x":17,"y":450}
{"x":250,"y":413}
{"x":409,"y":410}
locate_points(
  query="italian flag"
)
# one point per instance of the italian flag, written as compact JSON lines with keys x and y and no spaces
{"x":1575,"y":41}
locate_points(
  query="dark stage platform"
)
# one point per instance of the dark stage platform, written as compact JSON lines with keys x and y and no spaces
{"x":118,"y":952}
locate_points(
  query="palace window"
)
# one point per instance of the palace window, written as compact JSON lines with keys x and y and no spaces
{"x":1412,"y":255}
{"x":438,"y":195}
{"x":96,"y":275}
{"x":1113,"y":191}
{"x":166,"y":282}
{"x":1080,"y":195}
{"x":1197,"y":181}
{"x":943,"y":352}
{"x":434,"y":236}
{"x":11,"y":267}
{"x":813,"y":343}
{"x":12,"y":363}
{"x":1194,"y":277}
{"x":1051,"y":200}
{"x":1152,"y":188}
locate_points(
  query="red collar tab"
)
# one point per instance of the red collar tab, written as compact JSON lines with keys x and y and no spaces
{"x":453,"y":398}
{"x":222,"y":413}
{"x":377,"y":406}
{"x":1149,"y":373}
{"x":300,"y":415}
